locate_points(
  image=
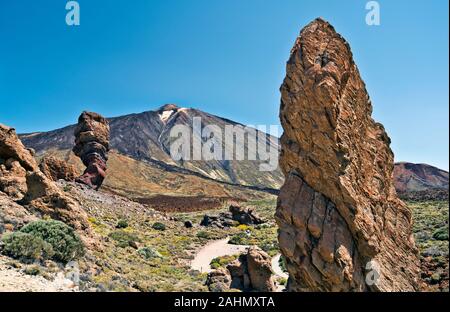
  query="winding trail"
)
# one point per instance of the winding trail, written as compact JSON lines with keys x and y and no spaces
{"x":214,"y":249}
{"x":277,"y":268}
{"x":220,"y":248}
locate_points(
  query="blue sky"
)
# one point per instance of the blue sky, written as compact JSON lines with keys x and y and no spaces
{"x":224,"y":57}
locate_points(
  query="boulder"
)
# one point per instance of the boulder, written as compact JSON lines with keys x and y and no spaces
{"x":56,"y":169}
{"x":341,"y":225}
{"x":22,"y":180}
{"x":245,"y":216}
{"x":92,"y":146}
{"x":251,"y":271}
{"x":235,"y":215}
{"x":260,"y":271}
{"x":218,"y":280}
{"x":15,"y":161}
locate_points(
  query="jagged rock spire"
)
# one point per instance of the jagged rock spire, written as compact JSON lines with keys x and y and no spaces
{"x":338,"y":212}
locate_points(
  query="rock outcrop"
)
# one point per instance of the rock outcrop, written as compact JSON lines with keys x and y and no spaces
{"x":56,"y":169}
{"x":92,"y":146}
{"x":342,"y":227}
{"x":22,"y":181}
{"x":245,"y":216}
{"x":252,"y":271}
{"x":235,"y":215}
{"x":15,"y":161}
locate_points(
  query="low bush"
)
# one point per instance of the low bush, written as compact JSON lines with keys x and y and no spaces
{"x":159,"y":226}
{"x":66,"y":244}
{"x":239,"y":239}
{"x":26,"y":247}
{"x":122,"y":224}
{"x":123,"y":238}
{"x":441,"y":234}
{"x":149,"y":253}
{"x":203,"y":234}
{"x":222,"y":261}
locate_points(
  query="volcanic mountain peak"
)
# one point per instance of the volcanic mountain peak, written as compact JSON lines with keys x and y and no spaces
{"x":145,"y":137}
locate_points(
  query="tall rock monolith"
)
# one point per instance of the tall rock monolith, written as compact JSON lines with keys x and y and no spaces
{"x":342,"y":227}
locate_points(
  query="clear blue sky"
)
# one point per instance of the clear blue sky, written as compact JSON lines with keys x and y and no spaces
{"x":224,"y":57}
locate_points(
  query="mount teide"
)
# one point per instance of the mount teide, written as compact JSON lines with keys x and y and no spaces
{"x":140,"y":164}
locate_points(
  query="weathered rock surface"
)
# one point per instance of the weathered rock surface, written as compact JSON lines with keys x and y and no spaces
{"x":15,"y":161}
{"x":218,"y":280}
{"x":12,"y":215}
{"x":243,"y":215}
{"x":92,"y":146}
{"x":338,"y":211}
{"x":56,"y":169}
{"x":252,"y":271}
{"x":22,"y":181}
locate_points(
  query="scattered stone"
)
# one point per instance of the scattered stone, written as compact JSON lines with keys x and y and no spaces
{"x":235,"y":216}
{"x":188,"y":224}
{"x":245,"y":216}
{"x":92,"y":146}
{"x":338,"y":210}
{"x":221,"y":221}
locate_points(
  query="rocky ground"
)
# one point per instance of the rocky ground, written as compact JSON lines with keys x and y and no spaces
{"x":136,"y":253}
{"x":133,"y":254}
{"x":431,"y":233}
{"x":18,"y":277}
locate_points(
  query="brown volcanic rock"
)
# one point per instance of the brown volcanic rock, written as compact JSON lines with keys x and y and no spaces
{"x":45,"y":197}
{"x":56,"y":169}
{"x":21,"y":179}
{"x":92,"y":146}
{"x":251,"y":271}
{"x":260,"y":270}
{"x":15,"y":161}
{"x":338,"y":210}
{"x":12,"y":148}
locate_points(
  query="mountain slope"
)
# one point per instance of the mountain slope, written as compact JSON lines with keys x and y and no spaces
{"x":411,"y":177}
{"x":145,"y":138}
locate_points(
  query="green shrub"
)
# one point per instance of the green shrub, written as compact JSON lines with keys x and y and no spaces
{"x":239,"y":239}
{"x":222,"y":261}
{"x":203,"y":234}
{"x":26,"y":247}
{"x":282,"y":281}
{"x":149,"y":253}
{"x":159,"y":226}
{"x":282,"y":263}
{"x":441,"y":234}
{"x":66,"y":243}
{"x":123,"y":239}
{"x":122,"y":224}
{"x":32,"y":270}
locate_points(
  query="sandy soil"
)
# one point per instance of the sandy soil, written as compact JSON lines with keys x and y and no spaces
{"x":14,"y":280}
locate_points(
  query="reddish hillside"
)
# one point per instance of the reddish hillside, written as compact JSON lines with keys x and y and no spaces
{"x":419,"y":177}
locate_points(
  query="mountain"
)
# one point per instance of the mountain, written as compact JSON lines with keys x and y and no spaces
{"x":420,"y":181}
{"x":411,"y":177}
{"x":140,"y":161}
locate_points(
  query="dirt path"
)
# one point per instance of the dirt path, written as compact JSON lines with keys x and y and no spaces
{"x":277,"y":268}
{"x":218,"y":248}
